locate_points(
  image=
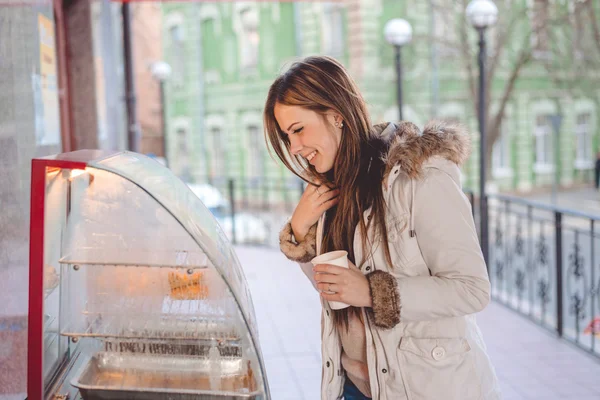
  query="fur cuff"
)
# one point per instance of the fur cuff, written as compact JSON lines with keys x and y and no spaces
{"x":386,"y":299}
{"x":301,"y":252}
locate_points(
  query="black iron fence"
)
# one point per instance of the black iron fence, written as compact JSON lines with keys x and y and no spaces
{"x":544,"y":263}
{"x":255,"y":209}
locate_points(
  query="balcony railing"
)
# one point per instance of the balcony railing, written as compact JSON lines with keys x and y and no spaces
{"x":256,"y":208}
{"x":544,"y":263}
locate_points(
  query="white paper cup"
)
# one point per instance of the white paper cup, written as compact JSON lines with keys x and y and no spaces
{"x":338,"y":258}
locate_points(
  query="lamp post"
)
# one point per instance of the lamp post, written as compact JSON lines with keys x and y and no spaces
{"x":133,"y":128}
{"x":161,"y":71}
{"x":398,"y":32}
{"x":482,"y":14}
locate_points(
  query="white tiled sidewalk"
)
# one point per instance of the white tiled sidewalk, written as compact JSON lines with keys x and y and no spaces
{"x":530,"y":362}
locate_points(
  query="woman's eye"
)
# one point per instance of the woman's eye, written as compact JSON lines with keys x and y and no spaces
{"x":297,"y":130}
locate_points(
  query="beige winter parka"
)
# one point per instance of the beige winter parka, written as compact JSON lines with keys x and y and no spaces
{"x":422,"y":339}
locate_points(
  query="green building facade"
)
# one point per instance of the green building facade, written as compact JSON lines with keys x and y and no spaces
{"x":224,"y":56}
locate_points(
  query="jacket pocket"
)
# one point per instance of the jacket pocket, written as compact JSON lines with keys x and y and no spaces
{"x":439,"y":368}
{"x":404,"y":249}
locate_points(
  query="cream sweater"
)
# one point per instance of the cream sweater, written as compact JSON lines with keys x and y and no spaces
{"x":354,"y":354}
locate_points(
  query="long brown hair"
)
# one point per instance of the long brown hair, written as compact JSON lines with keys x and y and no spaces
{"x":321,"y":84}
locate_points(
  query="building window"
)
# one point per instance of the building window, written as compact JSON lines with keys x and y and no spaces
{"x":501,"y":154}
{"x":583,"y":137}
{"x":543,"y":144}
{"x":182,"y":146}
{"x":217,"y":170}
{"x":249,"y":38}
{"x":212,"y":59}
{"x":255,"y":154}
{"x":178,"y":54}
{"x":333,"y":30}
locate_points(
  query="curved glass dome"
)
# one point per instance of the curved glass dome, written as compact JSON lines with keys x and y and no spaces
{"x":142,"y":290}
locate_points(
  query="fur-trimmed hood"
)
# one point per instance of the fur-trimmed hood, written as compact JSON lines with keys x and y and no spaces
{"x":410,"y":148}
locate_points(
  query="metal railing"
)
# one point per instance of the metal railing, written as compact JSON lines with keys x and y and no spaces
{"x":257,"y":208}
{"x":544,"y":263}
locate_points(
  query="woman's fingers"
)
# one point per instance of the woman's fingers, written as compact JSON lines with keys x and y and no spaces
{"x":321,"y":190}
{"x":330,"y":194}
{"x":330,"y":269}
{"x":326,"y":205}
{"x":328,"y":287}
{"x":332,"y":296}
{"x":326,"y":278}
{"x":324,"y":200}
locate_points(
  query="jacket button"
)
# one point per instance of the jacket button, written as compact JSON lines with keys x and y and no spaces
{"x":368,"y":268}
{"x":384,"y":371}
{"x":438,"y":353}
{"x":327,"y":364}
{"x":327,"y":311}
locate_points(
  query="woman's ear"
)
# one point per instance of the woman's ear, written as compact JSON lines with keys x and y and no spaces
{"x":335,"y":119}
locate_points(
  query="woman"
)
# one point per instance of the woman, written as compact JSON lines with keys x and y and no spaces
{"x":391,"y":197}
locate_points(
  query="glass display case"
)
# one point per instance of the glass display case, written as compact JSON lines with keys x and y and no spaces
{"x":134,"y":291}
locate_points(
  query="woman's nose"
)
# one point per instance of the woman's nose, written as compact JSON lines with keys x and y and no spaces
{"x":295,"y":145}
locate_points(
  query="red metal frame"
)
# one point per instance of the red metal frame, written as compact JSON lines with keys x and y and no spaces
{"x":36,"y":283}
{"x":73,"y":160}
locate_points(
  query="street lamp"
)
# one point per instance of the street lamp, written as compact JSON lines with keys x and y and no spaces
{"x":398,"y":32}
{"x":482,"y":14}
{"x":161,"y":71}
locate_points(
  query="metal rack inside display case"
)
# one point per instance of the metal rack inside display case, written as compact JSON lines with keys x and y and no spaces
{"x":134,"y":292}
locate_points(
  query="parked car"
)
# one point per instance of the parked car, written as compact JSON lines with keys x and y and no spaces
{"x":249,"y":229}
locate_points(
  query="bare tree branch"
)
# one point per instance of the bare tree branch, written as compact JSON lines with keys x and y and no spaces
{"x":449,"y":44}
{"x":594,"y":21}
{"x":573,"y":69}
{"x":552,"y":24}
{"x":501,"y":45}
{"x":496,"y":122}
{"x":516,"y":16}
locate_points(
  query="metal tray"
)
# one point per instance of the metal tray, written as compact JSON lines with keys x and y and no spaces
{"x":118,"y":376}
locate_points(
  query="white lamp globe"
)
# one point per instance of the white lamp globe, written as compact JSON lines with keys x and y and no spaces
{"x":161,"y":71}
{"x":398,"y":32}
{"x":482,"y":13}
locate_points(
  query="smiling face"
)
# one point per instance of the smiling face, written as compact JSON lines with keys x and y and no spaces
{"x":312,"y":135}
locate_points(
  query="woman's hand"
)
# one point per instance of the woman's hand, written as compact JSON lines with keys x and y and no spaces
{"x":349,"y":285}
{"x":314,"y":202}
